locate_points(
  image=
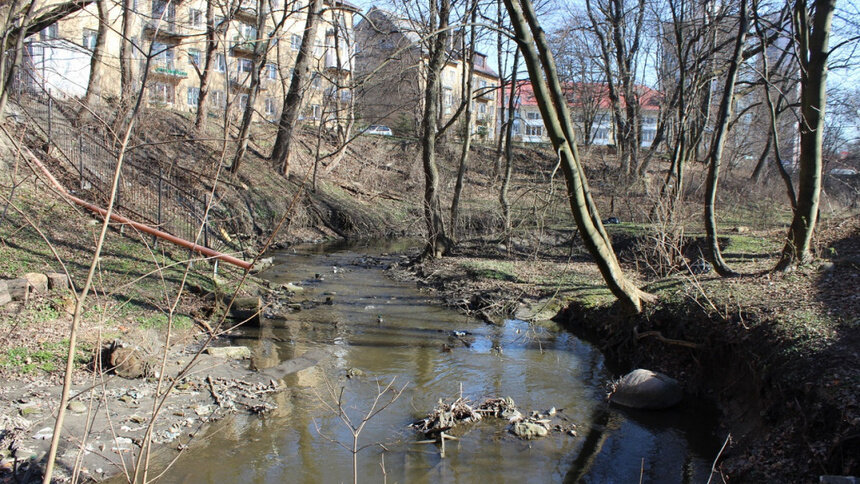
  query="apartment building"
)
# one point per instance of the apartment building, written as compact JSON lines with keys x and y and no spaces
{"x":172,"y":34}
{"x":590,"y":111}
{"x":390,"y":68}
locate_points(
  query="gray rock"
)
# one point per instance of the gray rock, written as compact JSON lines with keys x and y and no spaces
{"x":646,"y":389}
{"x":127,"y":363}
{"x":44,"y":434}
{"x":529,"y":430}
{"x":57,"y":281}
{"x":76,"y":406}
{"x":38,"y":282}
{"x":354,"y":373}
{"x":233,"y":352}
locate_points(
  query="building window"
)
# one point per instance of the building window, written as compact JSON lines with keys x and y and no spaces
{"x":295,"y":42}
{"x":534,"y":130}
{"x":449,"y":97}
{"x":243,"y":102}
{"x":316,"y":111}
{"x":163,"y":55}
{"x":90,"y":38}
{"x":195,"y":18}
{"x":218,"y":99}
{"x":50,"y":32}
{"x":220,"y":63}
{"x":271,"y":71}
{"x":193,"y":96}
{"x":194,"y":56}
{"x":271,"y":108}
{"x":601,"y":134}
{"x":161,"y":92}
{"x":248,"y":31}
{"x":482,"y":109}
{"x":245,"y":65}
{"x":533,"y":115}
{"x":648,"y":135}
{"x":316,"y":80}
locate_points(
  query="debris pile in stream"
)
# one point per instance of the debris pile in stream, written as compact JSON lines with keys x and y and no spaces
{"x":446,"y":416}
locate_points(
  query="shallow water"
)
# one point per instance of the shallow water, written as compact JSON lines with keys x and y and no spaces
{"x":538,"y":366}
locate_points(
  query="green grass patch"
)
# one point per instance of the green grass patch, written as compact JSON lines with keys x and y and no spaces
{"x":491,"y":269}
{"x":159,"y":321}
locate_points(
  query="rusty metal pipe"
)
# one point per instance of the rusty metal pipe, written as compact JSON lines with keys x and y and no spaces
{"x":139,"y":226}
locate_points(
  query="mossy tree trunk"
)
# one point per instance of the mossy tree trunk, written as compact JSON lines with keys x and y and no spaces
{"x":812,"y":37}
{"x":556,"y":116}
{"x":718,"y":144}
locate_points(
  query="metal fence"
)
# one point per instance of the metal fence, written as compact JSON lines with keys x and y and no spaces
{"x":146,"y":192}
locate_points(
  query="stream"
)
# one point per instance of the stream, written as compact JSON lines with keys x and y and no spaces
{"x":539,"y":366}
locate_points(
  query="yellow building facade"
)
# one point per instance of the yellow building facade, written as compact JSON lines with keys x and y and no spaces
{"x":171,"y":36}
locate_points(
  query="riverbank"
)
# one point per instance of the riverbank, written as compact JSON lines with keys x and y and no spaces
{"x":777,"y":353}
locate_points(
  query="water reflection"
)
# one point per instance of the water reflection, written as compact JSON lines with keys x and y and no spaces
{"x":538,"y":367}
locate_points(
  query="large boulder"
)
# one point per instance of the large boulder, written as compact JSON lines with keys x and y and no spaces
{"x":646,"y":389}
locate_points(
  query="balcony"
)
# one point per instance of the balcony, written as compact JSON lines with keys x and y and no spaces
{"x":482,"y":119}
{"x":242,"y":47}
{"x":169,"y":71}
{"x":246,"y":14}
{"x":242,"y":82}
{"x":331,"y":61}
{"x":486,"y":94}
{"x":166,"y":28}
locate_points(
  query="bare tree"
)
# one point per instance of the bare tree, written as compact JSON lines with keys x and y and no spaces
{"x":261,"y":45}
{"x":718,"y":144}
{"x":97,"y":61}
{"x":812,"y":35}
{"x":10,"y":55}
{"x":468,"y":56}
{"x":553,"y":107}
{"x":619,"y":50}
{"x":438,"y":242}
{"x":293,"y":100}
{"x":212,"y":36}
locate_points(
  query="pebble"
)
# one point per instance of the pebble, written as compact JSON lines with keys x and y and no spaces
{"x":76,"y":406}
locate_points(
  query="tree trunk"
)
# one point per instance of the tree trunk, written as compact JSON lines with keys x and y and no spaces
{"x":96,"y":63}
{"x":553,"y":107}
{"x":17,"y":52}
{"x":293,"y":100}
{"x":468,"y":75}
{"x":773,"y":113}
{"x":812,"y":46}
{"x":205,"y":76}
{"x":509,"y":147}
{"x":761,"y":165}
{"x":437,"y":238}
{"x":125,"y":59}
{"x":261,"y":49}
{"x":718,"y":143}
